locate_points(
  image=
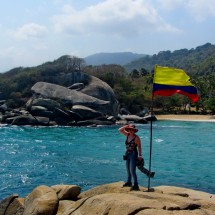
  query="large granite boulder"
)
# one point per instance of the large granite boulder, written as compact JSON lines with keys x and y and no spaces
{"x":42,"y":200}
{"x":101,"y":90}
{"x":91,"y":86}
{"x":67,"y":192}
{"x":68,"y":97}
{"x":111,"y":199}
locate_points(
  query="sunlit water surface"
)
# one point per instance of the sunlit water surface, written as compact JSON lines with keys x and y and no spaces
{"x":183,"y":154}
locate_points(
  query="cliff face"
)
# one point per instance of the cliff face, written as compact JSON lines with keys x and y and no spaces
{"x":110,"y":199}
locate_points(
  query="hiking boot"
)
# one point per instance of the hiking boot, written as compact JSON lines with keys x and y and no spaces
{"x":152,"y":174}
{"x":127,"y":184}
{"x":135,"y":187}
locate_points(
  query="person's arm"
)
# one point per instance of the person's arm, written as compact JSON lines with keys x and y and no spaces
{"x":123,"y":131}
{"x":139,"y":147}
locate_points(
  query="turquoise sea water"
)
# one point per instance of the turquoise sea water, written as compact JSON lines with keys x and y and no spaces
{"x":183,"y":154}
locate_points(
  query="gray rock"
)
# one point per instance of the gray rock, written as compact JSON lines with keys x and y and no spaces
{"x":102,"y":90}
{"x":3,"y":108}
{"x":61,"y":117}
{"x":124,"y":111}
{"x":68,"y":97}
{"x":61,"y":113}
{"x":86,"y":112}
{"x":49,"y":104}
{"x":134,"y":118}
{"x":41,"y":113}
{"x":93,"y":87}
{"x":24,"y":120}
{"x":42,"y":120}
{"x":150,"y":118}
{"x":38,"y":108}
{"x":2,"y":102}
{"x":74,"y":116}
{"x":77,"y":86}
{"x":87,"y":98}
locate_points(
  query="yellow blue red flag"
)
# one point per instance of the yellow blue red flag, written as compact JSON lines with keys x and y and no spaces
{"x":168,"y":81}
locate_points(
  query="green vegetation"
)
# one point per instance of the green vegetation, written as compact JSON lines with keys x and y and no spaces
{"x":133,"y":89}
{"x":199,"y":61}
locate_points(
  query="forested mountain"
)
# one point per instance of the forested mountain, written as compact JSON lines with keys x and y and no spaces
{"x":120,"y":58}
{"x":198,"y":61}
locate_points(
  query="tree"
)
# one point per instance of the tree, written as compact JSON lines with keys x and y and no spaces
{"x":143,"y":72}
{"x":135,"y":74}
{"x":210,"y":105}
{"x":74,"y":63}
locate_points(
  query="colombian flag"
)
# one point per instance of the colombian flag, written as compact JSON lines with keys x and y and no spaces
{"x":168,"y":81}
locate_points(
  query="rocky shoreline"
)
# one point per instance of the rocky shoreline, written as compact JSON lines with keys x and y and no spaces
{"x":112,"y":199}
{"x":87,"y":102}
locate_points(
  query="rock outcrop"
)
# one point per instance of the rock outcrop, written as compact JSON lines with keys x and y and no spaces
{"x":112,"y":199}
{"x":87,"y":85}
{"x":67,"y":97}
{"x":87,"y":101}
{"x":87,"y":98}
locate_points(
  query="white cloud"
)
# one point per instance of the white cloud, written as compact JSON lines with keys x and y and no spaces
{"x":13,"y":56}
{"x":170,"y":4}
{"x":112,"y":17}
{"x":30,"y":31}
{"x":40,"y":46}
{"x":198,"y":9}
{"x":201,"y":9}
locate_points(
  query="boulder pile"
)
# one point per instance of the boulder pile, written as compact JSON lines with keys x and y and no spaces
{"x":112,"y":199}
{"x":87,"y":98}
{"x":88,"y":101}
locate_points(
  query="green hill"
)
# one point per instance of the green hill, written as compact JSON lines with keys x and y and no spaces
{"x":198,"y":61}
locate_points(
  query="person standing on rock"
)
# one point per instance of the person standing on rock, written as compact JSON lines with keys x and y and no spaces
{"x":132,"y":155}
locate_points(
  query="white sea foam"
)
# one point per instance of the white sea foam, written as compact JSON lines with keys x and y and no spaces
{"x":24,"y":178}
{"x":159,"y":140}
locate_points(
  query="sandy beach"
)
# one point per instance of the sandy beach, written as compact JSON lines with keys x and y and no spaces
{"x":187,"y":117}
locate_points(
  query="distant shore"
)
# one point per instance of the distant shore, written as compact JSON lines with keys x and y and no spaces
{"x":187,"y":117}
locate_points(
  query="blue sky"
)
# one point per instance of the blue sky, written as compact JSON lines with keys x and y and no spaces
{"x":34,"y":32}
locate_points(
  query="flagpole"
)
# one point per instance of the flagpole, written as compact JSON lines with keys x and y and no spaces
{"x":151,"y":134}
{"x":150,"y":154}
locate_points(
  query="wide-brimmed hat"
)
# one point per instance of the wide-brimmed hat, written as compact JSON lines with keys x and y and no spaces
{"x":131,"y":127}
